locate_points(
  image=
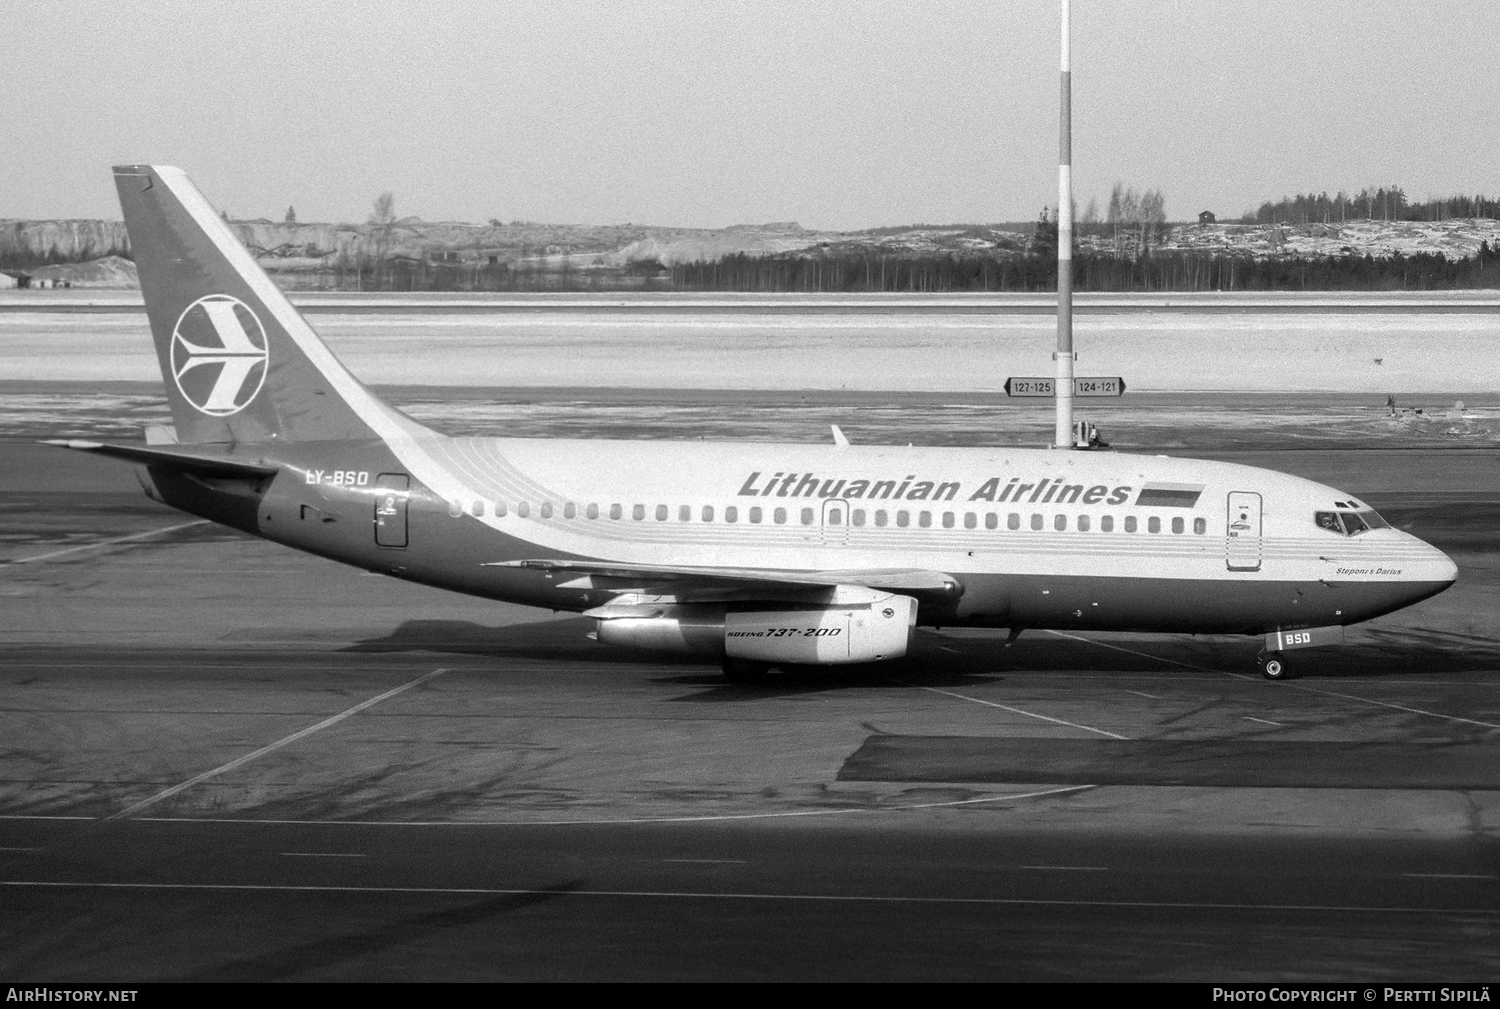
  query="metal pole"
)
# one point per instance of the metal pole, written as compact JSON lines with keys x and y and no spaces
{"x":1064,"y":355}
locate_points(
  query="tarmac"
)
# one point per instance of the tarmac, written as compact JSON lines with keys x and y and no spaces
{"x":224,"y":760}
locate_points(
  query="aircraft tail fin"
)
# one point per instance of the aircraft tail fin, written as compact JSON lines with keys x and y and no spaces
{"x":239,"y":362}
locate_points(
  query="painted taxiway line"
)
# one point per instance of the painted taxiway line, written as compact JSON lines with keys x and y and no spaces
{"x":1144,"y":655}
{"x":1298,"y":686}
{"x":247,"y":758}
{"x":1017,"y":711}
{"x":828,"y":898}
{"x":1398,"y":707}
{"x":107,"y":543}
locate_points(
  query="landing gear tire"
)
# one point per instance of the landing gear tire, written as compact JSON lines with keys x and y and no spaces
{"x":1273,"y":666}
{"x":744,"y":671}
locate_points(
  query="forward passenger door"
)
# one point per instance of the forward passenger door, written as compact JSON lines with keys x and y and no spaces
{"x":1242,"y":544}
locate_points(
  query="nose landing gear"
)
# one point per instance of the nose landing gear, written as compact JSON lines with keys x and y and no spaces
{"x":1272,"y":666}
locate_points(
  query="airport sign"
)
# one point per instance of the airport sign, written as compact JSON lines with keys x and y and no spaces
{"x":1046,"y":388}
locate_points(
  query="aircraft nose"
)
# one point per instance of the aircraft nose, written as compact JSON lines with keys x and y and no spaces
{"x":1447,"y":571}
{"x":1432,"y":565}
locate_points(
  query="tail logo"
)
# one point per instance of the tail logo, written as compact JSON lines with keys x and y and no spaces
{"x":219,"y":355}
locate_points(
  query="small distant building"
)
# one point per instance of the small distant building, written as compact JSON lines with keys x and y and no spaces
{"x":12,"y":279}
{"x":1206,"y":217}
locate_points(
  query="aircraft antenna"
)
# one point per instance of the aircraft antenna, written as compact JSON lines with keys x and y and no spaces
{"x":1064,"y":355}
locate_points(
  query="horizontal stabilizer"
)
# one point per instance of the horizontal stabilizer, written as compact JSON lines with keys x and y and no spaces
{"x":190,"y":458}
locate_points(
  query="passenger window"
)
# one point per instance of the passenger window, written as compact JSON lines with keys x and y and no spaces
{"x":1037,"y":521}
{"x":593,"y":511}
{"x":523,"y":508}
{"x":880,"y":517}
{"x":546,"y":509}
{"x":924,"y":519}
{"x":661,"y":513}
{"x":1083,"y":523}
{"x":1013,"y":521}
{"x":903,"y":519}
{"x":614,"y":511}
{"x":858,"y":516}
{"x":500,"y":509}
{"x":476,"y":509}
{"x":755,"y":514}
{"x":991,"y":520}
{"x":970,"y":520}
{"x":1153,"y":524}
{"x":1060,"y":523}
{"x":684,"y":513}
{"x":638,"y":512}
{"x":1177,"y":525}
{"x":1107,"y":524}
{"x":948,"y":520}
{"x":1200,"y":526}
{"x":807,"y":516}
{"x":708,"y":513}
{"x":1130,"y":523}
{"x":731,"y":514}
{"x":779,"y":516}
{"x":570,"y":510}
{"x":455,"y":508}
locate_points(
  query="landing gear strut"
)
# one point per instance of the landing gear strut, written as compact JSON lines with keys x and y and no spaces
{"x":1273,"y":666}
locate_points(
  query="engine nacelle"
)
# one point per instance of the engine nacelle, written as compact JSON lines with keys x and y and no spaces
{"x":858,"y":625}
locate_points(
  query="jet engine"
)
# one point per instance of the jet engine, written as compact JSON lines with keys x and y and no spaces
{"x":857,"y":625}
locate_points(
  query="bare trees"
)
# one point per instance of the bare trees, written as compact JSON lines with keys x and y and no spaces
{"x":383,"y":220}
{"x":1145,"y":210}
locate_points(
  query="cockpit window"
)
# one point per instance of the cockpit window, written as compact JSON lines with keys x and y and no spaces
{"x":1350,"y":523}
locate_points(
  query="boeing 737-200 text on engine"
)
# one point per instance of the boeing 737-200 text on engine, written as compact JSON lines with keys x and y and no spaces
{"x":754,"y":555}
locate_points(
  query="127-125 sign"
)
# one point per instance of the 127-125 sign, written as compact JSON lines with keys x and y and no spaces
{"x":1046,"y":387}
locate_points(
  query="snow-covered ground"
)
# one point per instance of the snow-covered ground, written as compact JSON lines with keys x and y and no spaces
{"x":1382,"y":352}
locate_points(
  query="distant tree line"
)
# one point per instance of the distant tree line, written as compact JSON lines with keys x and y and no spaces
{"x":1379,"y":203}
{"x":1154,"y":271}
{"x":16,"y":253}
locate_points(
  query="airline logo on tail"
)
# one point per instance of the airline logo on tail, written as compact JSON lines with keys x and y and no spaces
{"x":219,"y":355}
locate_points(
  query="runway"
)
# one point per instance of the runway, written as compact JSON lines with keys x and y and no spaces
{"x":1374,"y":344}
{"x":225,"y":760}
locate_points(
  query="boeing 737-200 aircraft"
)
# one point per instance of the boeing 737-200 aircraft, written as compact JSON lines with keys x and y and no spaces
{"x":754,"y":555}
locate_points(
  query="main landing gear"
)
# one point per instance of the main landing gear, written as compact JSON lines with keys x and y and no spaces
{"x":1273,"y":666}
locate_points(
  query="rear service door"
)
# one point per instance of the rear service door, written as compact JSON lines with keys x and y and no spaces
{"x":1242,"y":542}
{"x":392,"y":490}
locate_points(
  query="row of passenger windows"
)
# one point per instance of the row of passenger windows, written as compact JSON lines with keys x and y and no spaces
{"x":879,"y":517}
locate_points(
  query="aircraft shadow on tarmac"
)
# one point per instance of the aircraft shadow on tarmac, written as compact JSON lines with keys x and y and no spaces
{"x":942,"y":659}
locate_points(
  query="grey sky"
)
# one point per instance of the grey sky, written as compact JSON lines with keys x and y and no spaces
{"x":708,"y":113}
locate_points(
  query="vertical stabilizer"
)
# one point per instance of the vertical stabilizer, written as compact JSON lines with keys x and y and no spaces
{"x":240,"y":364}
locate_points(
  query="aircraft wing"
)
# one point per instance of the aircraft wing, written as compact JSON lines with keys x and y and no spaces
{"x":201,"y":459}
{"x":719,"y":584}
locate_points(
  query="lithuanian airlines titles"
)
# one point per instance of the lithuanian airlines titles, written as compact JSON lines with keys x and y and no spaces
{"x":751,"y":555}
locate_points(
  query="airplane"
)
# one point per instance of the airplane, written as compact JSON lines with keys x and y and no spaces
{"x":753,"y":555}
